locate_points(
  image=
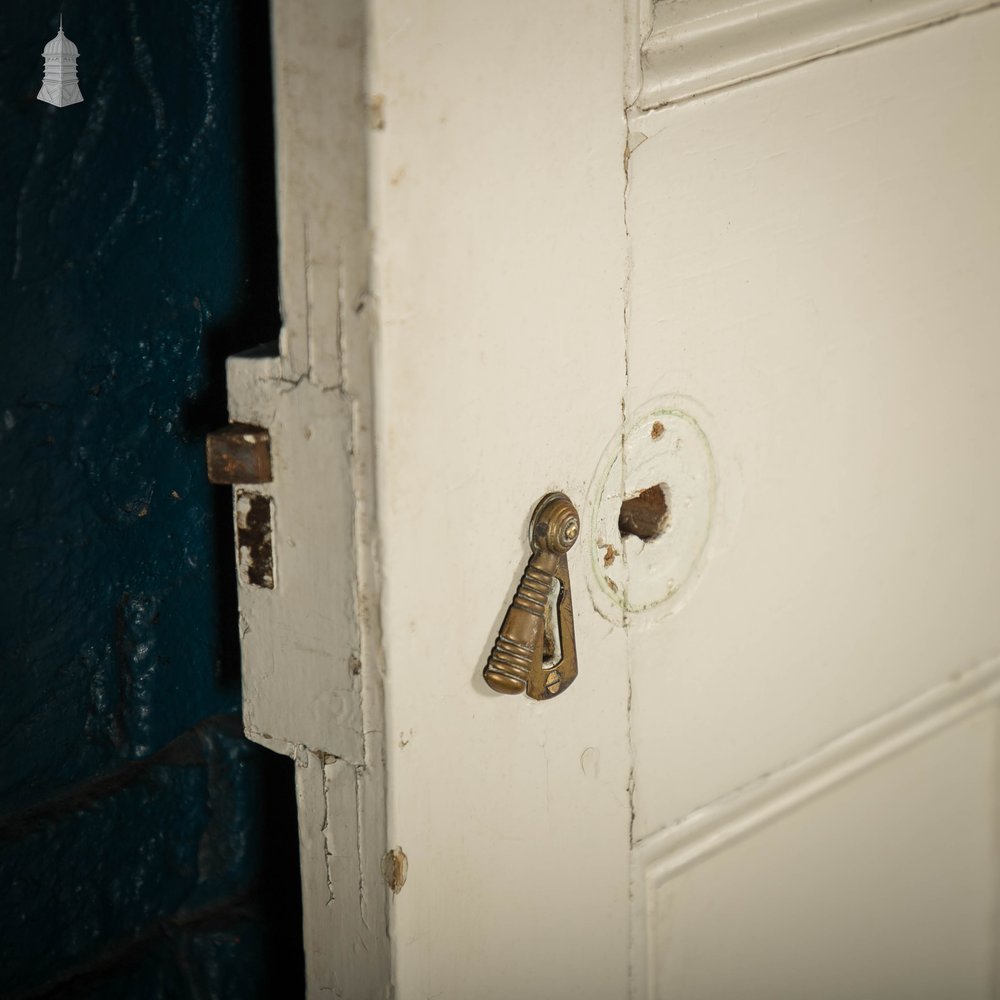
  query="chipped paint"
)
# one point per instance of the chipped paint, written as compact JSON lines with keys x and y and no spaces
{"x":394,"y":869}
{"x":254,"y":538}
{"x":321,"y":622}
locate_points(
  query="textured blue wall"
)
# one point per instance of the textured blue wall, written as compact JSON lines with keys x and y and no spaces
{"x":146,"y":849}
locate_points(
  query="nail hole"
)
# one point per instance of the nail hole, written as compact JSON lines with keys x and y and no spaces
{"x":646,"y":514}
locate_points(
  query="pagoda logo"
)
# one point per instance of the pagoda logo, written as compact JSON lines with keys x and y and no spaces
{"x":59,"y":85}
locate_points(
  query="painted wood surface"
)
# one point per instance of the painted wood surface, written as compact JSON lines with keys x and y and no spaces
{"x":882,"y":885}
{"x":692,"y":47}
{"x":775,"y":302}
{"x":497,"y":190}
{"x":311,"y":646}
{"x":812,"y":262}
{"x":929,"y":760}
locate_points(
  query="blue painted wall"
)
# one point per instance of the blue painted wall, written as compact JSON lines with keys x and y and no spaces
{"x":146,"y":849}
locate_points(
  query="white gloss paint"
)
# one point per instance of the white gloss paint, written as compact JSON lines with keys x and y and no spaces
{"x":497,"y":195}
{"x":513,"y":238}
{"x":692,"y":47}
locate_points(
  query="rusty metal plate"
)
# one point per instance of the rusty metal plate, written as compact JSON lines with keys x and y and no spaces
{"x":238,"y":453}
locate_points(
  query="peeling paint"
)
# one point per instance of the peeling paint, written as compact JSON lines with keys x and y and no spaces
{"x":327,"y":835}
{"x":394,"y":869}
{"x":376,"y":112}
{"x":254,"y":538}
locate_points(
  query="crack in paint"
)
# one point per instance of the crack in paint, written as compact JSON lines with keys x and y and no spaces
{"x":626,"y":321}
{"x":308,"y":297}
{"x":360,"y":814}
{"x":325,"y":830}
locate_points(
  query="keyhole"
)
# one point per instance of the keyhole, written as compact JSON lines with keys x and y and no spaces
{"x":646,"y":515}
{"x":551,"y":640}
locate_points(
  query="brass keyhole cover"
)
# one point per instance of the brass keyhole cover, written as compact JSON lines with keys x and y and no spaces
{"x":516,"y":663}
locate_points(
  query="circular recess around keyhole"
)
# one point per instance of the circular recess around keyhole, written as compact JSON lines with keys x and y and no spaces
{"x":650,"y":512}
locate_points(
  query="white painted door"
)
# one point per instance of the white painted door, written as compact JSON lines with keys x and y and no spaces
{"x":754,"y":267}
{"x":815,"y":728}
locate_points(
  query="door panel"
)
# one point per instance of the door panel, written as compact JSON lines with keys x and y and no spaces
{"x":813,"y":262}
{"x":878,"y":883}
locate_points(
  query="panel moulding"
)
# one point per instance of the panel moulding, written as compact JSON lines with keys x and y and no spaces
{"x":692,"y":47}
{"x":664,"y":855}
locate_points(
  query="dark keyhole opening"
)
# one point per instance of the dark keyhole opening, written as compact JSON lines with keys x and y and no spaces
{"x":551,"y":639}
